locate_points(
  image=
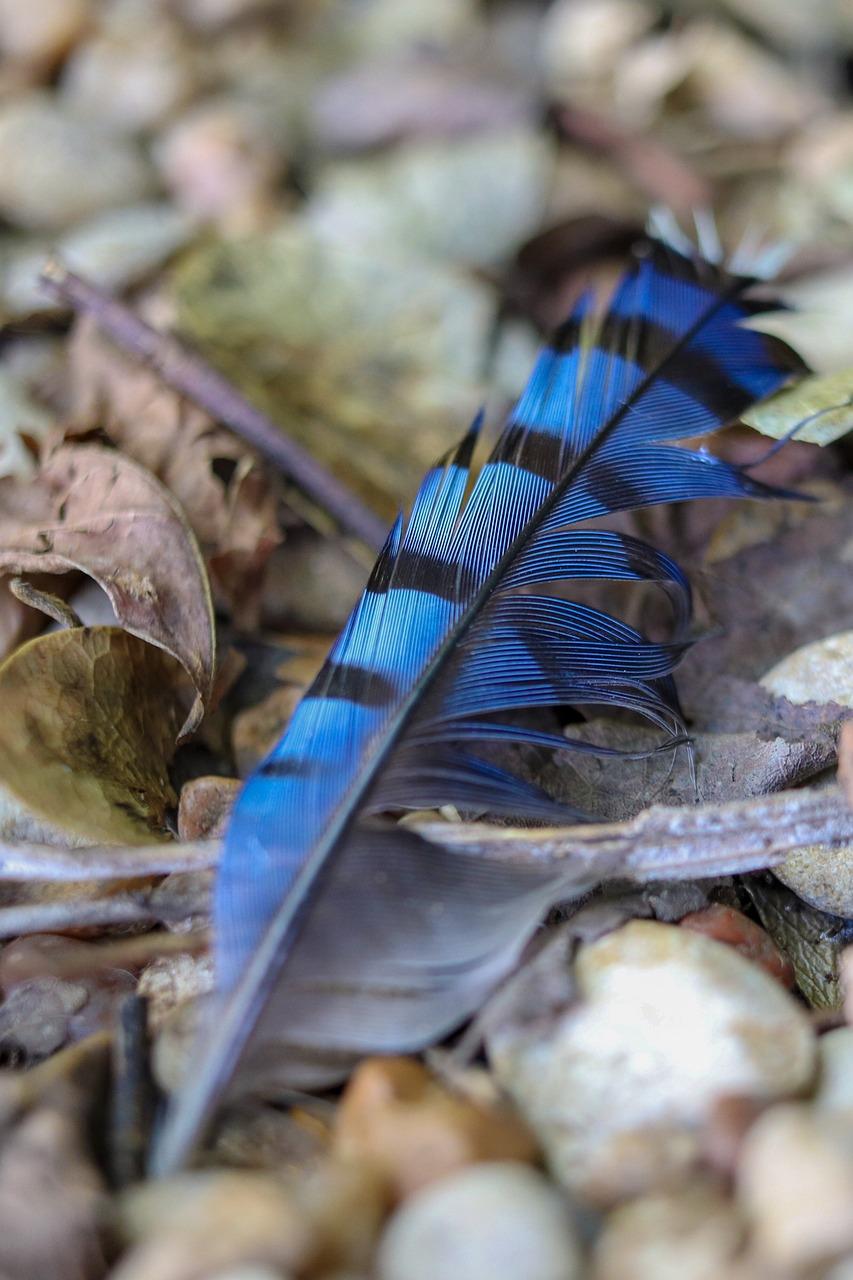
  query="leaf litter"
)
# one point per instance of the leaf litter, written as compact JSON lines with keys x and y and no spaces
{"x":363,"y":217}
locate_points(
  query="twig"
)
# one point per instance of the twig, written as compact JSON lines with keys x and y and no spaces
{"x":103,"y":862}
{"x":192,"y":377}
{"x":132,"y":1097}
{"x":47,"y":917}
{"x":669,"y":843}
{"x":119,"y":953}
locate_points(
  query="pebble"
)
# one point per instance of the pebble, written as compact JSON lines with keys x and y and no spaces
{"x":205,"y":807}
{"x":139,"y":64}
{"x":820,"y":874}
{"x":221,"y":161}
{"x":669,"y":1021}
{"x":397,"y":1118}
{"x":795,"y":1185}
{"x":732,"y":927}
{"x":170,"y":1223}
{"x":115,"y":249}
{"x":37,"y":33}
{"x":692,"y":1234}
{"x":256,"y":730}
{"x":44,"y":151}
{"x":488,"y":1222}
{"x":817,"y":672}
{"x":835,"y":1071}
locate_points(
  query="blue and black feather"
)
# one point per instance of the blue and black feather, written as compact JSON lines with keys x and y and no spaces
{"x":339,"y":932}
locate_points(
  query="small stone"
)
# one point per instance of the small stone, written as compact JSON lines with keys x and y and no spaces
{"x":728,"y":925}
{"x":396,"y":1117}
{"x":692,"y":1234}
{"x":795,"y":1184}
{"x":53,"y":1205}
{"x":140,"y":65}
{"x":205,"y":807}
{"x":488,"y":1222}
{"x":115,"y":249}
{"x":669,"y":1022}
{"x":192,"y":1226}
{"x":35,"y":1016}
{"x":256,"y":730}
{"x":39,"y":32}
{"x":44,"y":153}
{"x":171,"y":981}
{"x":822,"y":875}
{"x":221,"y":161}
{"x":835,"y":1071}
{"x":817,"y":672}
{"x":175,"y":1046}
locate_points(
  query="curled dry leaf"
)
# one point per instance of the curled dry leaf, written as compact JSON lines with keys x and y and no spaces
{"x":228,"y":499}
{"x":90,"y":717}
{"x":92,"y":510}
{"x":823,"y":404}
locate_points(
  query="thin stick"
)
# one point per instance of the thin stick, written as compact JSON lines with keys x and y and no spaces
{"x":666,"y":843}
{"x":104,"y":862}
{"x":46,"y":917}
{"x":192,"y":377}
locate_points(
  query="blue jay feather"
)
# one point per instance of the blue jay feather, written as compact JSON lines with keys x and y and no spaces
{"x":340,"y":933}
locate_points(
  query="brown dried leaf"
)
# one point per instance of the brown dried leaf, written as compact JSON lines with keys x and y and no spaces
{"x":228,"y":499}
{"x":90,"y":717}
{"x":95,"y":511}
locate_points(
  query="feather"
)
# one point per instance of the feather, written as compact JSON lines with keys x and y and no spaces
{"x":340,"y":933}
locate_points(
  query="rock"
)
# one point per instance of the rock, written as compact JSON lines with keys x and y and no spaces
{"x":835,"y":1071}
{"x":692,"y":1234}
{"x":820,"y":672}
{"x":44,"y":151}
{"x":176,"y":1044}
{"x":39,"y":32}
{"x":822,"y":875}
{"x":669,"y":1022}
{"x":222,"y":161}
{"x":192,"y":1226}
{"x":171,"y":981}
{"x":473,"y":200}
{"x":397,"y":1118}
{"x":115,"y":249}
{"x":139,"y":64}
{"x":732,"y":927}
{"x":52,"y":1203}
{"x":488,"y":1222}
{"x":795,"y":1184}
{"x":205,"y":807}
{"x":817,"y":672}
{"x":256,"y":730}
{"x":345,"y":1204}
{"x":35,"y":1016}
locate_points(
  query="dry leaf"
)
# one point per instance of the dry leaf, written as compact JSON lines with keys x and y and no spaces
{"x":93,"y":510}
{"x":822,"y":403}
{"x":90,"y":717}
{"x":228,"y":499}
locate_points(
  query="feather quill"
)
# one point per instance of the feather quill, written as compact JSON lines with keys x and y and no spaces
{"x":339,"y":933}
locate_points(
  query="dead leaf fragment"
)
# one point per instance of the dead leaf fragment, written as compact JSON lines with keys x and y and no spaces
{"x":823,"y":404}
{"x":93,"y":510}
{"x":90,"y":717}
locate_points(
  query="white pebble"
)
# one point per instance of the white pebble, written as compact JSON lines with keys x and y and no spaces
{"x":487,"y":1222}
